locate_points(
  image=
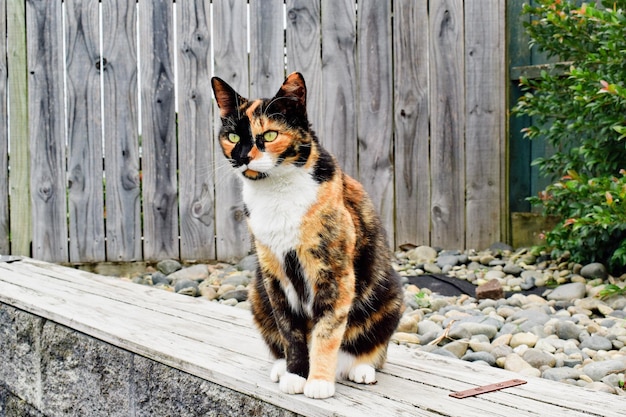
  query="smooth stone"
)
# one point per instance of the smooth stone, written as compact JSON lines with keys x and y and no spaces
{"x":501,"y":351}
{"x":160,"y":278}
{"x":239,"y":295}
{"x":594,"y":270}
{"x":168,"y":266}
{"x":527,"y":274}
{"x":567,"y":330}
{"x":187,"y":287}
{"x":244,"y":305}
{"x":432,"y":268}
{"x":249,"y":263}
{"x":207,"y":291}
{"x":457,"y":348}
{"x":480,"y":356}
{"x":545,"y":346}
{"x":598,"y":370}
{"x":537,"y":358}
{"x":512,"y":269}
{"x":428,"y":337}
{"x":478,"y":328}
{"x":560,"y":374}
{"x":408,"y":324}
{"x":534,"y":316}
{"x":486,"y":259}
{"x":596,"y":343}
{"x":494,"y":274}
{"x":403,"y":338}
{"x":515,"y":363}
{"x":197,"y":273}
{"x":427,"y":326}
{"x":236,"y":279}
{"x":422,"y":254}
{"x":225,"y":288}
{"x":527,"y":339}
{"x":568,"y":292}
{"x":447,"y":260}
{"x":457,"y":332}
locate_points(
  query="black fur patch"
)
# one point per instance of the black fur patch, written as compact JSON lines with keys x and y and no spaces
{"x":324,"y":167}
{"x":293,"y":269}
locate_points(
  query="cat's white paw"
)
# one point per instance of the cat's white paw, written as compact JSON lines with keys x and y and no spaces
{"x":278,"y":370}
{"x":318,"y":388}
{"x":362,"y":374}
{"x":292,"y":383}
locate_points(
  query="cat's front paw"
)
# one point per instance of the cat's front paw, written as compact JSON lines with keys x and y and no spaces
{"x":278,"y":370}
{"x":362,"y":374}
{"x":292,"y":383}
{"x":319,"y":388}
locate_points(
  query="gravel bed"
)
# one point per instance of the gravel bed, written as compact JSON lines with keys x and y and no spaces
{"x":517,"y":310}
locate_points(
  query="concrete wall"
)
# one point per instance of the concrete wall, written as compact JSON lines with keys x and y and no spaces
{"x":51,"y":370}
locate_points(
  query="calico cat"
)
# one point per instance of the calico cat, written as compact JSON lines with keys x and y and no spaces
{"x":325,"y":297}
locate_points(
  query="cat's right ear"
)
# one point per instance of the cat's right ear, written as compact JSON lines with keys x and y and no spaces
{"x":227,"y":99}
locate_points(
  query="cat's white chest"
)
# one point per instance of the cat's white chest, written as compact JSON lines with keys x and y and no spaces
{"x":277,"y":206}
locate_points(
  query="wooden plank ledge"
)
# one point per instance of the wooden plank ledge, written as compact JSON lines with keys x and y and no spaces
{"x":219,"y":344}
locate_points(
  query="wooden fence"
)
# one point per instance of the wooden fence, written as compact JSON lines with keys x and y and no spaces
{"x":108,"y":127}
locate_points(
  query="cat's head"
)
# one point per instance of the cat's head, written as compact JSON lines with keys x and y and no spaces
{"x":264,"y":136}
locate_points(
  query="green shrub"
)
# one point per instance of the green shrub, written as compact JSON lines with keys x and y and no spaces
{"x":581,"y":113}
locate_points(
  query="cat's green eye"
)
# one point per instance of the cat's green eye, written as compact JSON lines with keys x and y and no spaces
{"x":233,"y":137}
{"x":270,"y":136}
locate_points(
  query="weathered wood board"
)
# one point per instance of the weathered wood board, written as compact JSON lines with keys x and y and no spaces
{"x":267,"y":56}
{"x":195,"y":128}
{"x":447,"y":125}
{"x":159,"y":160}
{"x":231,"y":65}
{"x":121,"y":131}
{"x":220,"y":344}
{"x":485,"y":129}
{"x":4,"y":136}
{"x":338,"y":131}
{"x":46,"y":116}
{"x":304,"y":52}
{"x":84,"y":107}
{"x":411,"y":118}
{"x":375,"y":108}
{"x":19,"y":179}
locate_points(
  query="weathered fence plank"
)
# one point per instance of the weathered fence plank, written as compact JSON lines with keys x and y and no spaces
{"x":4,"y":137}
{"x":47,"y":130}
{"x":375,"y":108}
{"x":19,"y":179}
{"x":485,"y":71}
{"x":267,"y":43}
{"x":304,"y":53}
{"x":231,"y":64}
{"x":411,"y":115}
{"x":447,"y":123}
{"x":158,"y":122}
{"x":85,"y":200}
{"x":121,"y":135}
{"x":195,"y":144}
{"x":338,"y":132}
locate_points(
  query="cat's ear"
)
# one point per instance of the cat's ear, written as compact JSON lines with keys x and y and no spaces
{"x":294,"y":89}
{"x":227,"y":99}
